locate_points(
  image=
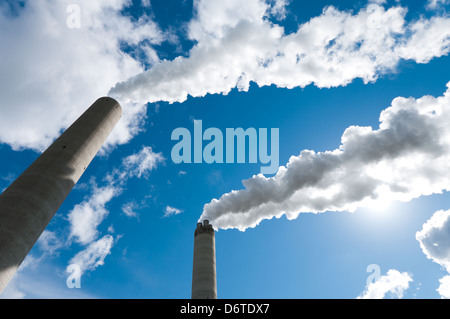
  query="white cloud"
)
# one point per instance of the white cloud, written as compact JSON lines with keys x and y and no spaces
{"x":213,"y":19}
{"x":146,"y":3}
{"x":94,"y":255}
{"x":408,"y":156}
{"x":49,"y":242}
{"x":436,"y":4}
{"x":170,"y":211}
{"x":141,"y":163}
{"x":129,"y":209}
{"x":430,"y":39}
{"x":237,"y":44}
{"x":444,"y":287}
{"x":138,"y":164}
{"x":434,"y":239}
{"x":85,"y":217}
{"x":393,"y":284}
{"x":278,"y":9}
{"x":52,"y":73}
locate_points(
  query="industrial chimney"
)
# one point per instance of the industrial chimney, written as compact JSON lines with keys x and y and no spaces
{"x":29,"y":203}
{"x":204,"y":285}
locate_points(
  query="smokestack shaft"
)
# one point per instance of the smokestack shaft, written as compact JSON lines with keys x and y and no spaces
{"x":204,"y":285}
{"x":30,"y":202}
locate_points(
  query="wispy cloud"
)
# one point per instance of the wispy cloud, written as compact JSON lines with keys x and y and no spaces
{"x":85,"y":217}
{"x":50,"y":242}
{"x":436,"y":4}
{"x":170,"y":211}
{"x":129,"y":209}
{"x":94,"y":254}
{"x":142,"y":163}
{"x":84,"y":220}
{"x":392,"y":285}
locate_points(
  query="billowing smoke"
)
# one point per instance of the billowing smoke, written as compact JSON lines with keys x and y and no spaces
{"x":238,"y":42}
{"x":406,"y":157}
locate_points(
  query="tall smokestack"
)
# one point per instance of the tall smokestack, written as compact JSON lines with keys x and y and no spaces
{"x":30,"y":202}
{"x":204,"y":285}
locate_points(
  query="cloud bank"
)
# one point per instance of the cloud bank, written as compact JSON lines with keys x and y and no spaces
{"x":52,"y":72}
{"x":406,"y":157}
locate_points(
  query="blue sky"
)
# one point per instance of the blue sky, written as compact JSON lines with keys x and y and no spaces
{"x":346,"y":196}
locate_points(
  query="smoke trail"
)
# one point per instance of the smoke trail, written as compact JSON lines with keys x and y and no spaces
{"x":406,"y":157}
{"x":236,"y":43}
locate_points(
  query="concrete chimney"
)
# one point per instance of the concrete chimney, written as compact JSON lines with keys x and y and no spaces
{"x":204,"y":285}
{"x":30,"y":202}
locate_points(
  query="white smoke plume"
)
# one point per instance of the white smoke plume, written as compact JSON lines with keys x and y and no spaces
{"x":406,"y":157}
{"x":237,"y":43}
